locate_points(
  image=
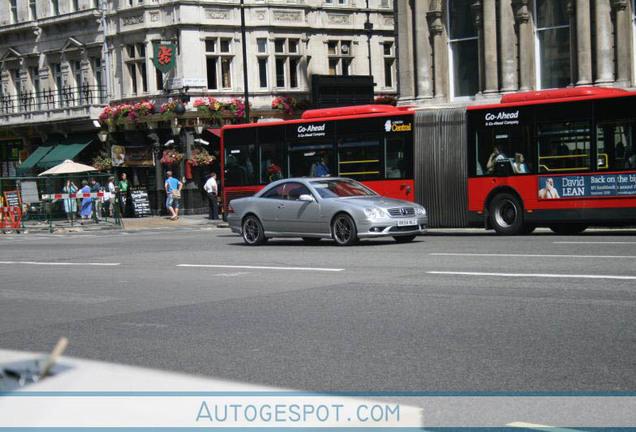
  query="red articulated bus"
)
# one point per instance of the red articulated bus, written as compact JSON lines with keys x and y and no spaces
{"x":372,"y":144}
{"x":558,"y":158}
{"x":564,"y":158}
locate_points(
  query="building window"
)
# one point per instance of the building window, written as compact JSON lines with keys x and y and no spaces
{"x":552,"y":44}
{"x":55,"y":7}
{"x":98,"y":74}
{"x":33,"y":9}
{"x":14,"y":11}
{"x":34,"y":74}
{"x":56,"y":69}
{"x":463,"y":48}
{"x":339,"y":2}
{"x":15,"y":74}
{"x":340,"y":57}
{"x":262,"y":72}
{"x":287,"y":52}
{"x":218,"y":63}
{"x":136,"y":66}
{"x":389,"y":64}
{"x":75,"y":6}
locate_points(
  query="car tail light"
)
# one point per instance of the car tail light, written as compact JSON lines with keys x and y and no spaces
{"x":230,"y":209}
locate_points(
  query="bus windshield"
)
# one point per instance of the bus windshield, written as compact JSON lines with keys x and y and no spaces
{"x":341,"y":189}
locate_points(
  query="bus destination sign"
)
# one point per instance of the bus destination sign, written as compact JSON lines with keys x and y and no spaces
{"x":587,"y":186}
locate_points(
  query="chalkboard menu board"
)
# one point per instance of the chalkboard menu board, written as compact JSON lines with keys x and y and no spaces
{"x":13,"y":199}
{"x":140,"y":202}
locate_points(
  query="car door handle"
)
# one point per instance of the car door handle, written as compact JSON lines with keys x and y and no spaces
{"x":281,"y":206}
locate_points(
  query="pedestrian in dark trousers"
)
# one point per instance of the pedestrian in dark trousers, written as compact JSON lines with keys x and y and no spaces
{"x":212,"y":189}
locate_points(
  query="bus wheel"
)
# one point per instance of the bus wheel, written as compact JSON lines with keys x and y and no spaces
{"x":506,"y":216}
{"x":343,"y":230}
{"x":568,"y":229}
{"x":253,"y":233}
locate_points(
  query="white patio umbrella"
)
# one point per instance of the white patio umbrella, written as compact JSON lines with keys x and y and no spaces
{"x":68,"y":167}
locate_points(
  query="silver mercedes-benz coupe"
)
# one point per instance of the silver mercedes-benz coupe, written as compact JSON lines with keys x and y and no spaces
{"x":315,"y":208}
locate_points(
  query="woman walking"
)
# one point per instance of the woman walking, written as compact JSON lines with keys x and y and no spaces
{"x":87,"y":203}
{"x":70,"y":204}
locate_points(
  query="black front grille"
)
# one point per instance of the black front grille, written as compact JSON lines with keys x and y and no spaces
{"x":402,"y":211}
{"x":404,"y":228}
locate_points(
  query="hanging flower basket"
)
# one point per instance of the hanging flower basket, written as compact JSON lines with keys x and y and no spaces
{"x":102,"y":163}
{"x":211,"y":108}
{"x":143,"y":109}
{"x":285,"y":104}
{"x":171,"y":157}
{"x":200,"y":157}
{"x":236,"y":107}
{"x":172,"y":108}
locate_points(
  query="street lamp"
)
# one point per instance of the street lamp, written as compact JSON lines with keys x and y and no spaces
{"x":245,"y":77}
{"x":176,"y":127}
{"x":103,"y":136}
{"x":198,"y":127}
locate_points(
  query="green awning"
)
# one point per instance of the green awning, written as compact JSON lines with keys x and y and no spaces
{"x":34,"y":158}
{"x":68,"y":149}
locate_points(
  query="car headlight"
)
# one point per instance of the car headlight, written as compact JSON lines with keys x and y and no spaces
{"x":374,"y":213}
{"x":420,"y":211}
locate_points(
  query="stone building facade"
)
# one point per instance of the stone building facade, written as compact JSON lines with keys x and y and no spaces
{"x":63,"y":61}
{"x":468,"y":51}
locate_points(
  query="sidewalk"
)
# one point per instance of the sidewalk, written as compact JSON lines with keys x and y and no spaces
{"x":129,"y":224}
{"x":163,"y":222}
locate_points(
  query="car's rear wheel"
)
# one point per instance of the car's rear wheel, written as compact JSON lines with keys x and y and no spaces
{"x":343,"y":230}
{"x":311,"y":240}
{"x":253,"y":233}
{"x":404,"y":239}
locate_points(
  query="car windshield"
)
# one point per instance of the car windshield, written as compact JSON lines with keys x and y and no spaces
{"x":341,"y":189}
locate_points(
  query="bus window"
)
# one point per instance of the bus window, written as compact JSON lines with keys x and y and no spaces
{"x":272,"y":161}
{"x":564,"y":146}
{"x":615,"y":146}
{"x":359,"y":158}
{"x":314,"y":159}
{"x":398,"y":158}
{"x":496,"y":145}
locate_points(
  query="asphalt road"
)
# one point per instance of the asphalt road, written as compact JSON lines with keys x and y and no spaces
{"x":460,"y":311}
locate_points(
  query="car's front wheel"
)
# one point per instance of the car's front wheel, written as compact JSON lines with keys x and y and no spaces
{"x":404,"y":239}
{"x":343,"y":230}
{"x":253,"y":233}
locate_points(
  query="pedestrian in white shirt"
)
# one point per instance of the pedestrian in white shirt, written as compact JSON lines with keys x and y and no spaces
{"x":112,"y":194}
{"x":212,"y":189}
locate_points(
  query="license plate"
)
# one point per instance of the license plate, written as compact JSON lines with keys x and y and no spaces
{"x":407,"y":222}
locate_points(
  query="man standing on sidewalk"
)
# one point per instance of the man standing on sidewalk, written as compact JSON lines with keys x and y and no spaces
{"x":212,"y":188}
{"x":123,"y":194}
{"x":173,"y":193}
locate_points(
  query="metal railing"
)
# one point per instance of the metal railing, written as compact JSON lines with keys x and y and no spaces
{"x":66,"y":97}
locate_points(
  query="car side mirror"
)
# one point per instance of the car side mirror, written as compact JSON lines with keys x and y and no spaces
{"x":306,"y":198}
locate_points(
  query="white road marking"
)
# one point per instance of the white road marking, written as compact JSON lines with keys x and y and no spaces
{"x":534,"y":275}
{"x":534,"y":256}
{"x":59,"y":263}
{"x":261,"y":267}
{"x":596,"y":242}
{"x":538,"y":426}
